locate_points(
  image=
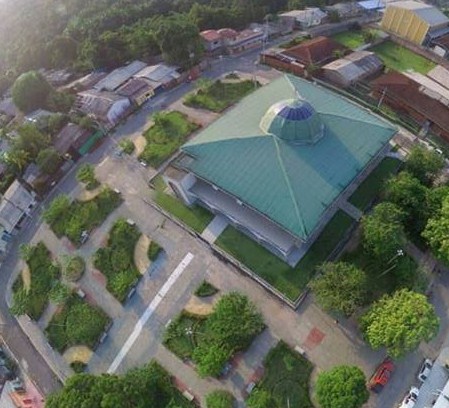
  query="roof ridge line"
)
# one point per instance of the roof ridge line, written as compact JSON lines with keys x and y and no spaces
{"x":355,"y":120}
{"x":289,"y":187}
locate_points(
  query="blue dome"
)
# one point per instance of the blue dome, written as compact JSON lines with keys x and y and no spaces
{"x":293,"y":120}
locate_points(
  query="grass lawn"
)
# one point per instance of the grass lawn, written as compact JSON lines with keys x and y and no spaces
{"x":405,"y":273}
{"x":290,"y":281}
{"x":294,"y":41}
{"x":350,"y":39}
{"x":80,"y":216}
{"x":286,"y":377}
{"x":77,"y":323}
{"x":169,"y":132}
{"x":44,"y":273}
{"x":195,"y":217}
{"x":116,"y":260}
{"x":370,"y":188}
{"x":219,"y":95}
{"x":177,"y":338}
{"x":402,"y":59}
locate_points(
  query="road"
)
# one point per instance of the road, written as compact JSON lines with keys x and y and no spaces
{"x":32,"y":363}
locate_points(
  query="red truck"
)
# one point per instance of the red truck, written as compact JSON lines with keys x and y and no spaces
{"x":381,"y":376}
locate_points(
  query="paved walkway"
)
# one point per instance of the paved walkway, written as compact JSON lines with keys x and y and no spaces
{"x":350,"y":209}
{"x":215,"y":228}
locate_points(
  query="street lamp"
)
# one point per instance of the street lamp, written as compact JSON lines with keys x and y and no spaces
{"x":399,"y":253}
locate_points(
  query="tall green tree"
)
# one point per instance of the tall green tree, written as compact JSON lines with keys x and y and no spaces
{"x":400,"y":322}
{"x":437,"y":232}
{"x":342,"y":387}
{"x":179,"y":40}
{"x":30,"y":91}
{"x":383,"y":234}
{"x":409,"y":194}
{"x":259,"y":399}
{"x":48,"y":160}
{"x":340,"y":286}
{"x":424,"y":164}
{"x":220,"y":399}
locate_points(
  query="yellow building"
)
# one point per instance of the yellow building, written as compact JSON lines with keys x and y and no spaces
{"x":415,"y":21}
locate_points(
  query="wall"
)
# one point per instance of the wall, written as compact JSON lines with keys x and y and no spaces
{"x":405,"y":24}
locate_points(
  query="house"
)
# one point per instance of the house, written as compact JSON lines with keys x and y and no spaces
{"x":15,"y":205}
{"x":317,"y":51}
{"x":119,"y":76}
{"x":345,"y":10}
{"x":309,"y":17}
{"x":212,"y":41}
{"x":8,"y":107}
{"x":160,"y":76}
{"x":86,"y":82}
{"x":70,"y":140}
{"x":56,"y":77}
{"x":138,"y":90}
{"x":407,"y":96}
{"x":352,"y":68}
{"x":417,"y":22}
{"x":243,"y":40}
{"x":107,"y":108}
{"x":233,"y":42}
{"x":39,"y":118}
{"x":278,"y":164}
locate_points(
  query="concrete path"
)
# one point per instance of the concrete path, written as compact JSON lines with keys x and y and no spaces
{"x":215,"y":228}
{"x":350,"y":209}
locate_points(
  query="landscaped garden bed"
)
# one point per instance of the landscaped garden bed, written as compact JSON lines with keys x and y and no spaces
{"x":210,"y":341}
{"x":116,"y":260}
{"x":71,"y":219}
{"x":169,"y":131}
{"x":285,"y":381}
{"x":370,"y":188}
{"x":219,"y":95}
{"x":402,"y":59}
{"x":31,"y":297}
{"x":76,"y":323}
{"x":206,"y":289}
{"x":196,"y":217}
{"x":290,"y":281}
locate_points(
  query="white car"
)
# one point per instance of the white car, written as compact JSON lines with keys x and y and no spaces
{"x":410,"y":398}
{"x":424,"y":371}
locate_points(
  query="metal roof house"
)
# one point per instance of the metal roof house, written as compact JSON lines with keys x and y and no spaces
{"x":279,"y":163}
{"x":309,"y":17}
{"x":352,"y":68}
{"x":15,"y":205}
{"x":414,"y":21}
{"x":119,"y":76}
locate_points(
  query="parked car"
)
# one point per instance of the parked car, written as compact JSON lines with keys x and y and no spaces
{"x":381,"y":376}
{"x":410,"y":398}
{"x":424,"y":371}
{"x":84,"y":237}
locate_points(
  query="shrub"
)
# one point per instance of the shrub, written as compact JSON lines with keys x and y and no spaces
{"x":116,"y":260}
{"x":206,"y":289}
{"x":153,"y":250}
{"x":127,"y":146}
{"x":74,"y":268}
{"x":86,"y":175}
{"x":220,"y":399}
{"x":78,"y":366}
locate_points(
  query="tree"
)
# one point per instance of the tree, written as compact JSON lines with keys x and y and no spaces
{"x":400,"y":322}
{"x":211,"y":358}
{"x":30,"y":91}
{"x":48,"y":160}
{"x":179,"y":40}
{"x":17,"y":160}
{"x":383,"y":233}
{"x":437,"y":232}
{"x":30,"y":140}
{"x":424,"y":164}
{"x":86,"y":175}
{"x":20,"y":302}
{"x":220,"y":399}
{"x":409,"y":195}
{"x":259,"y":399}
{"x":58,"y":208}
{"x":340,"y":287}
{"x":235,"y":321}
{"x":73,"y":267}
{"x":59,"y":293}
{"x":342,"y":387}
{"x":60,"y":101}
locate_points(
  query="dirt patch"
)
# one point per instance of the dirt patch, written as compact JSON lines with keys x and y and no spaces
{"x":78,"y":353}
{"x":141,"y":254}
{"x":140,"y":144}
{"x":26,"y":277}
{"x":201,"y":306}
{"x":87,"y":195}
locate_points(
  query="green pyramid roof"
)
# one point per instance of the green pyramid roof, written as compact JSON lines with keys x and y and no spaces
{"x":262,"y":159}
